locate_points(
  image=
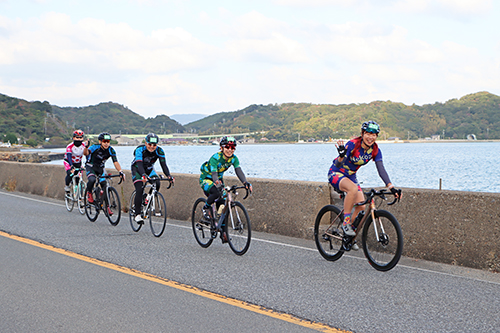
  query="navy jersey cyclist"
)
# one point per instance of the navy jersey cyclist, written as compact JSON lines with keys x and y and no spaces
{"x":342,"y":174}
{"x":97,"y":155}
{"x":145,"y":157}
{"x":212,"y":171}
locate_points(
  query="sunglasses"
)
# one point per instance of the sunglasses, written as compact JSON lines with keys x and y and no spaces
{"x":151,"y":144}
{"x":233,"y":147}
{"x":105,"y":141}
{"x":372,"y":131}
{"x":79,"y":137}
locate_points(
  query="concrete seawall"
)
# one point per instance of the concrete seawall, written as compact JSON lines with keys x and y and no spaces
{"x":453,"y":227}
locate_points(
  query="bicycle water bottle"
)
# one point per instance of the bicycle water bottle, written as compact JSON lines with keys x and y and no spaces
{"x":221,"y":208}
{"x":358,"y":219}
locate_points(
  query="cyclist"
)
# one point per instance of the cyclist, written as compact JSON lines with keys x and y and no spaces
{"x":97,"y":155}
{"x":73,"y":156}
{"x":212,"y":171}
{"x":145,"y":157}
{"x":342,"y":174}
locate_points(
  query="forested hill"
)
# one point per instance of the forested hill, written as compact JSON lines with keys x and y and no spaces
{"x":477,"y":114}
{"x":33,"y":122}
{"x":115,"y":118}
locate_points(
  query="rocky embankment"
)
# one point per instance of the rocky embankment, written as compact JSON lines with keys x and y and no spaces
{"x":15,"y":155}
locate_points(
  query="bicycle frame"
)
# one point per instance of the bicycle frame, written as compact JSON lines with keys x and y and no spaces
{"x":152,"y":194}
{"x":228,"y":200}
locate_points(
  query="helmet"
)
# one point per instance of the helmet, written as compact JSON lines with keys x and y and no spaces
{"x":104,"y":136}
{"x":78,"y":133}
{"x":227,"y":140}
{"x":152,"y":138}
{"x":370,"y":127}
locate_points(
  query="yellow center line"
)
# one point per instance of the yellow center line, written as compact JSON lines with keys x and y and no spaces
{"x":184,"y":287}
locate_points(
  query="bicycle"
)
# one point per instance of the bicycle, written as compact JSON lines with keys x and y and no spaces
{"x":231,"y":220}
{"x":77,"y":192}
{"x":381,"y":235}
{"x":153,"y":207}
{"x":108,"y":201}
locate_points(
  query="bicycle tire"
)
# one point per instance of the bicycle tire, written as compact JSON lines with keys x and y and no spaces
{"x":328,"y":232}
{"x":82,"y":189}
{"x":114,"y":205}
{"x":384,"y":254}
{"x":201,"y":227}
{"x":131,"y":214}
{"x":238,"y":228}
{"x":158,"y":215}
{"x":91,"y":210}
{"x":69,"y":199}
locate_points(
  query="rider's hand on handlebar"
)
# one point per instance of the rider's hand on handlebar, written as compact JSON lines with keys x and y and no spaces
{"x":248,"y":186}
{"x":122,"y":175}
{"x":397,"y":193}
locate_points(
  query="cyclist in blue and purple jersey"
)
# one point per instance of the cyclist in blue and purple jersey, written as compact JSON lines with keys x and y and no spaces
{"x":342,"y":174}
{"x":97,"y":155}
{"x":212,"y":171}
{"x":145,"y":157}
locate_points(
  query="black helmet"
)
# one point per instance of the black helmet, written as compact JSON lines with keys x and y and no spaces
{"x":227,"y":140}
{"x":370,"y":127}
{"x":104,"y":136}
{"x":152,"y":138}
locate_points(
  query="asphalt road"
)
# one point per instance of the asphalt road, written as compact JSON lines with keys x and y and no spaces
{"x":45,"y":288}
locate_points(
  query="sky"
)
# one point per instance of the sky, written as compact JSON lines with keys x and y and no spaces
{"x":198,"y":56}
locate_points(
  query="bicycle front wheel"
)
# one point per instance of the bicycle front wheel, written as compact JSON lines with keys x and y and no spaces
{"x":91,"y":209}
{"x":158,"y":215}
{"x":238,"y":229}
{"x":131,"y":214}
{"x":114,"y":209}
{"x":201,"y":226}
{"x":328,"y":232}
{"x":382,"y":240}
{"x":69,"y":199}
{"x":82,"y":189}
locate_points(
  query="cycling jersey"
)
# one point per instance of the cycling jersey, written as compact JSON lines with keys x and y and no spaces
{"x":73,"y":155}
{"x":353,"y":160}
{"x":144,"y":160}
{"x":98,"y":156}
{"x":217,"y":163}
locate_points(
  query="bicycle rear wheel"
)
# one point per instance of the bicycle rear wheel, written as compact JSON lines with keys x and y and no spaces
{"x":238,"y":229}
{"x":69,"y":199}
{"x":114,"y":205}
{"x":328,"y":232}
{"x":91,"y":209}
{"x":158,"y":215}
{"x":82,"y":189}
{"x":384,"y":252}
{"x":201,"y":226}
{"x":131,"y":214}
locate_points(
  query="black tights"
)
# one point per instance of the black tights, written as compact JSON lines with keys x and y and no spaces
{"x":212,"y":195}
{"x":139,"y":190}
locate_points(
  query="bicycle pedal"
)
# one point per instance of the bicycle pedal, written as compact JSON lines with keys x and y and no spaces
{"x":157,"y":214}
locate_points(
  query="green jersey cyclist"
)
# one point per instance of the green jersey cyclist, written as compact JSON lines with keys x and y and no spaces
{"x":212,"y":171}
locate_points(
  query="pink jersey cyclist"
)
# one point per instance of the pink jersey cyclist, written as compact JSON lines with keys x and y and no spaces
{"x":73,"y":156}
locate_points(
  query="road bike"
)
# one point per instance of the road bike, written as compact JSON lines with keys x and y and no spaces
{"x":108,"y":201}
{"x":381,"y":235}
{"x":77,"y":191}
{"x":230,"y":219}
{"x":153,"y":207}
